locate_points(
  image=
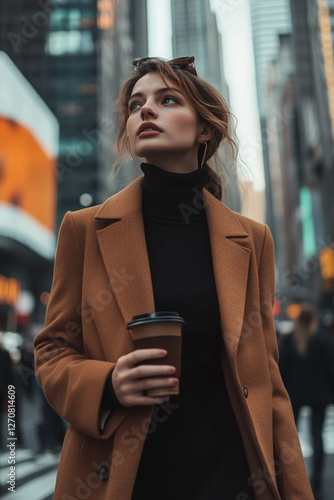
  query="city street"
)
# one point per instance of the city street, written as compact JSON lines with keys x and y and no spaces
{"x":36,"y":473}
{"x":166,"y":181}
{"x":306,"y":442}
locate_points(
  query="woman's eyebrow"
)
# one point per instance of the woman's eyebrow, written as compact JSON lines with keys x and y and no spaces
{"x":156,"y":92}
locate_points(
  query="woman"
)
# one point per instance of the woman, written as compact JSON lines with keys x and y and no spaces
{"x":307,"y":369}
{"x":166,"y":242}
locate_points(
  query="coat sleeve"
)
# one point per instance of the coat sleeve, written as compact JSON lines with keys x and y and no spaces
{"x":292,"y":479}
{"x":73,"y":384}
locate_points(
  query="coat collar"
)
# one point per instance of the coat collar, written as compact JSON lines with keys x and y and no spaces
{"x":129,"y":200}
{"x":124,"y":252}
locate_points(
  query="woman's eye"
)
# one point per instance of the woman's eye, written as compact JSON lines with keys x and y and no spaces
{"x":170,"y":100}
{"x":134,"y":105}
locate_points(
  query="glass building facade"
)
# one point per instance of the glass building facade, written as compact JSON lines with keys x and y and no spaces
{"x":313,"y":35}
{"x":195,"y":33}
{"x":270,"y":18}
{"x":72,"y":49}
{"x":295,"y":85}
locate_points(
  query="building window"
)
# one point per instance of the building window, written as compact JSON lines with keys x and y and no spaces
{"x":70,"y":42}
{"x":66,"y":19}
{"x":72,"y":19}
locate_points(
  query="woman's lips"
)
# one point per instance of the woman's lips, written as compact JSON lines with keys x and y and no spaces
{"x":147,"y":127}
{"x":149,"y":133}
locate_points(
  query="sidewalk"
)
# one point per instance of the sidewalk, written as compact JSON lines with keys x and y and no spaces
{"x":328,"y":476}
{"x":306,"y":444}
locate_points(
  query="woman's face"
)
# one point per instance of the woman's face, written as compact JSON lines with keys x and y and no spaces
{"x":162,"y":124}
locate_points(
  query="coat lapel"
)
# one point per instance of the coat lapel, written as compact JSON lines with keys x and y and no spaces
{"x":230,"y":256}
{"x":124,"y":252}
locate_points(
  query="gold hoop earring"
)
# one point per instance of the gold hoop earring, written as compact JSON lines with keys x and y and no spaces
{"x":133,"y":160}
{"x":204,"y":153}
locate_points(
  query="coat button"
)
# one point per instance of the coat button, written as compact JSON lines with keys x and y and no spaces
{"x":245,"y":390}
{"x":102,"y":473}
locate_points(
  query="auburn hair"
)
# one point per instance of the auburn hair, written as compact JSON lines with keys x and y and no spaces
{"x":210,"y":106}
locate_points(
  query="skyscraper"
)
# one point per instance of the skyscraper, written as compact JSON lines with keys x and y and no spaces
{"x":195,"y":33}
{"x":297,"y":117}
{"x":123,"y":37}
{"x":269,"y":18}
{"x":72,"y":46}
{"x":313,"y":34}
{"x":281,"y":126}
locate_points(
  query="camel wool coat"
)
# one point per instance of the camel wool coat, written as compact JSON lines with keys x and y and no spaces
{"x":101,"y":280}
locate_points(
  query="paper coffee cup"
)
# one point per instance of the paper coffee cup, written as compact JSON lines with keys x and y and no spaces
{"x":161,"y":330}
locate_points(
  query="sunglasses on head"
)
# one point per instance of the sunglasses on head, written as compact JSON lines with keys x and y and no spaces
{"x":185,"y":63}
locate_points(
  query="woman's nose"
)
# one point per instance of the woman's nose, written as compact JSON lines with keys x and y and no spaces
{"x":147,"y":110}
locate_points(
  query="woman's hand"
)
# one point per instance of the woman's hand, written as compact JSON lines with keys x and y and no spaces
{"x":130,"y":381}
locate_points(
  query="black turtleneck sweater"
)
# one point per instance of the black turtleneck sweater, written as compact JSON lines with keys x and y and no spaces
{"x":193,"y":449}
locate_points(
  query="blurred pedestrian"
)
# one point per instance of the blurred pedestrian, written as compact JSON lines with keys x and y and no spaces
{"x":26,"y":370}
{"x":307,"y":368}
{"x":167,"y":243}
{"x":15,"y":355}
{"x":50,"y":429}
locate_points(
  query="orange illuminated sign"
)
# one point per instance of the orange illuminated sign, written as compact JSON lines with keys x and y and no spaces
{"x":27,"y":174}
{"x":326,"y":256}
{"x":9,"y":290}
{"x":29,"y":139}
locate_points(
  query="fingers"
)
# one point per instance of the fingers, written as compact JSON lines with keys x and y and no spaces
{"x":155,"y":382}
{"x":139,"y":355}
{"x":132,"y":391}
{"x":130,"y":381}
{"x":136,"y":394}
{"x":144,"y":371}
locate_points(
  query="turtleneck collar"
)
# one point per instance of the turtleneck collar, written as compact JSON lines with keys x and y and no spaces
{"x":173,"y":198}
